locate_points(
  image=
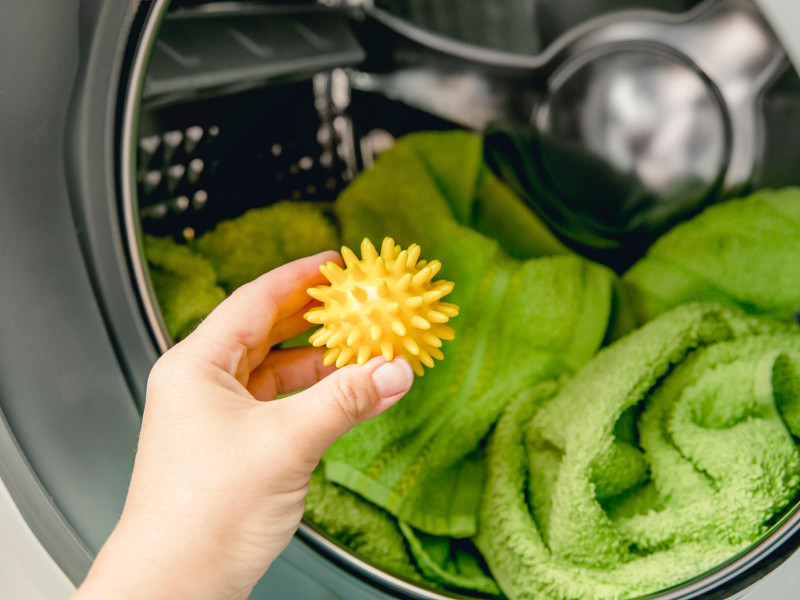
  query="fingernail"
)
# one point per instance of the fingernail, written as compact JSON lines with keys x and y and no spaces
{"x":392,"y":378}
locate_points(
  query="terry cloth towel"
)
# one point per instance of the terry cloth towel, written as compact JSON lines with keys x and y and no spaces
{"x":184,"y":283}
{"x":520,"y":322}
{"x":667,"y":454}
{"x":740,"y":253}
{"x":262,"y":239}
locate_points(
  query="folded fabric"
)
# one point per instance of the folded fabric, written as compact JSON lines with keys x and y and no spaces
{"x":369,"y":533}
{"x":248,"y":246}
{"x":184,"y":283}
{"x":520,"y":323}
{"x":739,"y":253}
{"x":667,"y":454}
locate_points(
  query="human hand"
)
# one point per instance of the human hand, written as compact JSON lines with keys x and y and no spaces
{"x":222,"y":467}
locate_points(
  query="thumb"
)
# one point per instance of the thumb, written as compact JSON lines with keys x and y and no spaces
{"x":345,"y":398}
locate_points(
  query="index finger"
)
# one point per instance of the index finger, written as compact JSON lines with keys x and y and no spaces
{"x":245,"y":318}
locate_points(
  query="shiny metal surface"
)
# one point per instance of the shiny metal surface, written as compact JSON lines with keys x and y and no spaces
{"x":645,"y":115}
{"x":647,"y":112}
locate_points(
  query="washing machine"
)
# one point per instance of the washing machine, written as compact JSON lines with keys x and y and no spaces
{"x":119,"y":117}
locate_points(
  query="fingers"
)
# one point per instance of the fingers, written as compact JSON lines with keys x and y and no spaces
{"x":291,"y":326}
{"x":240,"y":326}
{"x":321,"y":414}
{"x":286,"y":371}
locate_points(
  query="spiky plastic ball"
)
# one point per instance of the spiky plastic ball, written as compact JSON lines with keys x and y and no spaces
{"x":384,"y":304}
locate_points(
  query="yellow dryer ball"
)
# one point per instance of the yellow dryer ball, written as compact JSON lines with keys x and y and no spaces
{"x":384,"y":304}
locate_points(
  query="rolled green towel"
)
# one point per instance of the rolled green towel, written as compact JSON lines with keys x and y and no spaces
{"x":520,"y":323}
{"x":739,"y":253}
{"x":248,"y":246}
{"x":184,"y":283}
{"x":667,"y":454}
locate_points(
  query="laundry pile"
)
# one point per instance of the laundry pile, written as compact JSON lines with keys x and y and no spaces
{"x":588,"y":435}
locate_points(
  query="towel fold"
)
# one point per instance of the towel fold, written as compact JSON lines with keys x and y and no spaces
{"x":667,"y":454}
{"x":740,"y":253}
{"x":521,"y":322}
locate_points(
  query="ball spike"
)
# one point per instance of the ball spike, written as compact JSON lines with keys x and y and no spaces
{"x":315,"y":316}
{"x":420,"y":322}
{"x":337,"y":295}
{"x":359,"y":293}
{"x":355,"y":336}
{"x":415,"y":302}
{"x":382,"y":289}
{"x":422,"y":277}
{"x":444,"y":332}
{"x":318,"y":293}
{"x":349,"y":257}
{"x":432,"y":296}
{"x":387,"y":249}
{"x":425,"y":358}
{"x":380,"y":267}
{"x":428,"y":338}
{"x":411,"y":345}
{"x":448,"y":308}
{"x":387,"y":350}
{"x":400,"y":262}
{"x":335,"y":274}
{"x":435,"y":352}
{"x":413,"y":255}
{"x":415,"y":365}
{"x":399,"y":328}
{"x":434,"y":316}
{"x":375,"y":332}
{"x":368,"y":251}
{"x":344,"y":357}
{"x":337,"y":338}
{"x":404,"y":283}
{"x":363,"y":355}
{"x":330,"y":356}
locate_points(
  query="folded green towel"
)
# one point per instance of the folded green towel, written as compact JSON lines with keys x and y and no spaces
{"x":663,"y":457}
{"x":248,"y":246}
{"x":520,"y":322}
{"x":740,"y":253}
{"x":184,"y":283}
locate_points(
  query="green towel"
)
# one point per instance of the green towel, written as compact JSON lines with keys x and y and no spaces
{"x":184,"y":283}
{"x":667,"y":454}
{"x":739,"y":253}
{"x":248,"y":246}
{"x":520,"y":322}
{"x":367,"y":531}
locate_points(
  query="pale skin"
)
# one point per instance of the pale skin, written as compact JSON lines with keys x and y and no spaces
{"x":223,"y":467}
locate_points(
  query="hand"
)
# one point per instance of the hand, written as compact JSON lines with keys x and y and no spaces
{"x":222,"y":467}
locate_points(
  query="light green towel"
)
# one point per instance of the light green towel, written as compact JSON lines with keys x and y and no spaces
{"x":663,"y":457}
{"x":741,"y":253}
{"x":520,"y":323}
{"x":248,"y":246}
{"x":184,"y":283}
{"x":367,"y":531}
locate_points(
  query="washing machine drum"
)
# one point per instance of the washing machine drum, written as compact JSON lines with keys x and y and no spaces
{"x":178,"y":127}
